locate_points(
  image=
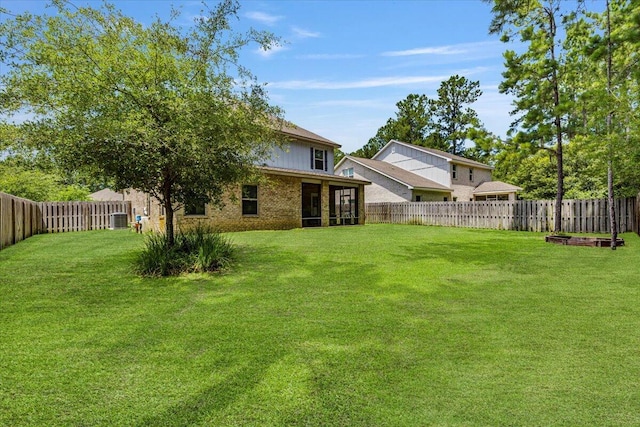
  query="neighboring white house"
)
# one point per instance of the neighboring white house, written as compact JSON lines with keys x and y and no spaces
{"x":405,"y":172}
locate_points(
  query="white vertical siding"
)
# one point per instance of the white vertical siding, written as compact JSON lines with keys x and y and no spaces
{"x":382,"y":188}
{"x":297,"y":156}
{"x":424,"y":164}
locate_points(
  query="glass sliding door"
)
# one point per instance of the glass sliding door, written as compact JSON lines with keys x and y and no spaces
{"x":343,"y":205}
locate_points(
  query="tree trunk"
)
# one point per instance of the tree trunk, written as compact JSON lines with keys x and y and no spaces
{"x":168,"y":207}
{"x":612,"y":207}
{"x":613,"y":223}
{"x":168,"y":225}
{"x":557,"y":225}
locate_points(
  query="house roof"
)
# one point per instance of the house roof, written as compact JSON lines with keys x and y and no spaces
{"x":443,"y":154}
{"x":297,"y":132}
{"x":400,"y":175}
{"x":495,"y":187}
{"x":106,"y":195}
{"x":314,"y":175}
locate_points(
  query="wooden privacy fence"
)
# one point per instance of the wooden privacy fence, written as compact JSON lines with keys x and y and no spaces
{"x":61,"y":217}
{"x":636,"y":224}
{"x":19,"y":219}
{"x":578,"y":216}
{"x":22,"y":218}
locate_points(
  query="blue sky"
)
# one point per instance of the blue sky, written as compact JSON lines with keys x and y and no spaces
{"x":345,"y":64}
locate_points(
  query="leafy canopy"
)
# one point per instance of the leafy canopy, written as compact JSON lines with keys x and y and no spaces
{"x":167,"y":111}
{"x":445,"y":123}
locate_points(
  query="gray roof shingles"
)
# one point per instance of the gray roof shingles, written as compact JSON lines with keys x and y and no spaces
{"x":297,"y":132}
{"x":408,"y":178}
{"x":496,"y":187}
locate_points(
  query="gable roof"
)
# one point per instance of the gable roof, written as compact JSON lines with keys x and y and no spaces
{"x":439,"y":153}
{"x":410,"y":179}
{"x":494,"y":187}
{"x":297,"y":132}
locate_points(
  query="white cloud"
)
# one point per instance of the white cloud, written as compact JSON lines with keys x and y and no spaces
{"x":268,"y":53}
{"x":357,"y":84}
{"x":457,"y":49}
{"x":441,"y":50}
{"x":264,"y":18}
{"x":304,"y":34}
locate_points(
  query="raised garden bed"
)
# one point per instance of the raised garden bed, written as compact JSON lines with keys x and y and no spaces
{"x":601,"y":242}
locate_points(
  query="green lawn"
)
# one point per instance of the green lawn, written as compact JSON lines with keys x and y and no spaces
{"x":358,"y":326}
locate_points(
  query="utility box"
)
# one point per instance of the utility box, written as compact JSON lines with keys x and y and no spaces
{"x":118,"y":221}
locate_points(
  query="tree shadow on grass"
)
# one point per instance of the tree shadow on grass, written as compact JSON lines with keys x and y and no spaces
{"x":298,"y":321}
{"x":213,"y":399}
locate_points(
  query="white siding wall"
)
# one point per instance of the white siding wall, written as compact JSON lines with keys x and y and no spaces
{"x":431,"y":196}
{"x":297,"y":156}
{"x":424,"y":164}
{"x":463,"y":187}
{"x":479,"y":175}
{"x":382,"y":189}
{"x":463,"y":193}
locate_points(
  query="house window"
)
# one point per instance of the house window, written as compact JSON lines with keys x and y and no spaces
{"x":194,"y":208}
{"x":347,"y":172}
{"x":471,"y":174}
{"x":249,"y":200}
{"x":319,"y":159}
{"x":418,"y":198}
{"x":454,"y":171}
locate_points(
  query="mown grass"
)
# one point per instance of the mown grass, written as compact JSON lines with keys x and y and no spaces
{"x":375,"y":326}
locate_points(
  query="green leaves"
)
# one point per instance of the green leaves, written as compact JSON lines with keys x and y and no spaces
{"x":444,"y":123}
{"x":454,"y":118}
{"x":162,"y":110}
{"x":562,"y":96}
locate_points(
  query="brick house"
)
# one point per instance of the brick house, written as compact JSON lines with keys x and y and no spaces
{"x":301,"y":190}
{"x":402,"y":172}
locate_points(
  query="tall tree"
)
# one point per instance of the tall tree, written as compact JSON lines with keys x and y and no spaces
{"x":150,"y":107}
{"x":412,"y":124}
{"x":610,"y":149}
{"x":445,"y":123}
{"x":453,"y":117}
{"x":613,"y":54}
{"x":535,"y":77}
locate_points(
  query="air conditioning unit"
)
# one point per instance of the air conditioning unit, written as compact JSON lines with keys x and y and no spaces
{"x":118,"y":221}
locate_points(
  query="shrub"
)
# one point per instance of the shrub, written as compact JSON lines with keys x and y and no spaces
{"x":197,"y":249}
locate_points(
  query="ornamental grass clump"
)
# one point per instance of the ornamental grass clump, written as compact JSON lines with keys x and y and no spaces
{"x":200,"y":248}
